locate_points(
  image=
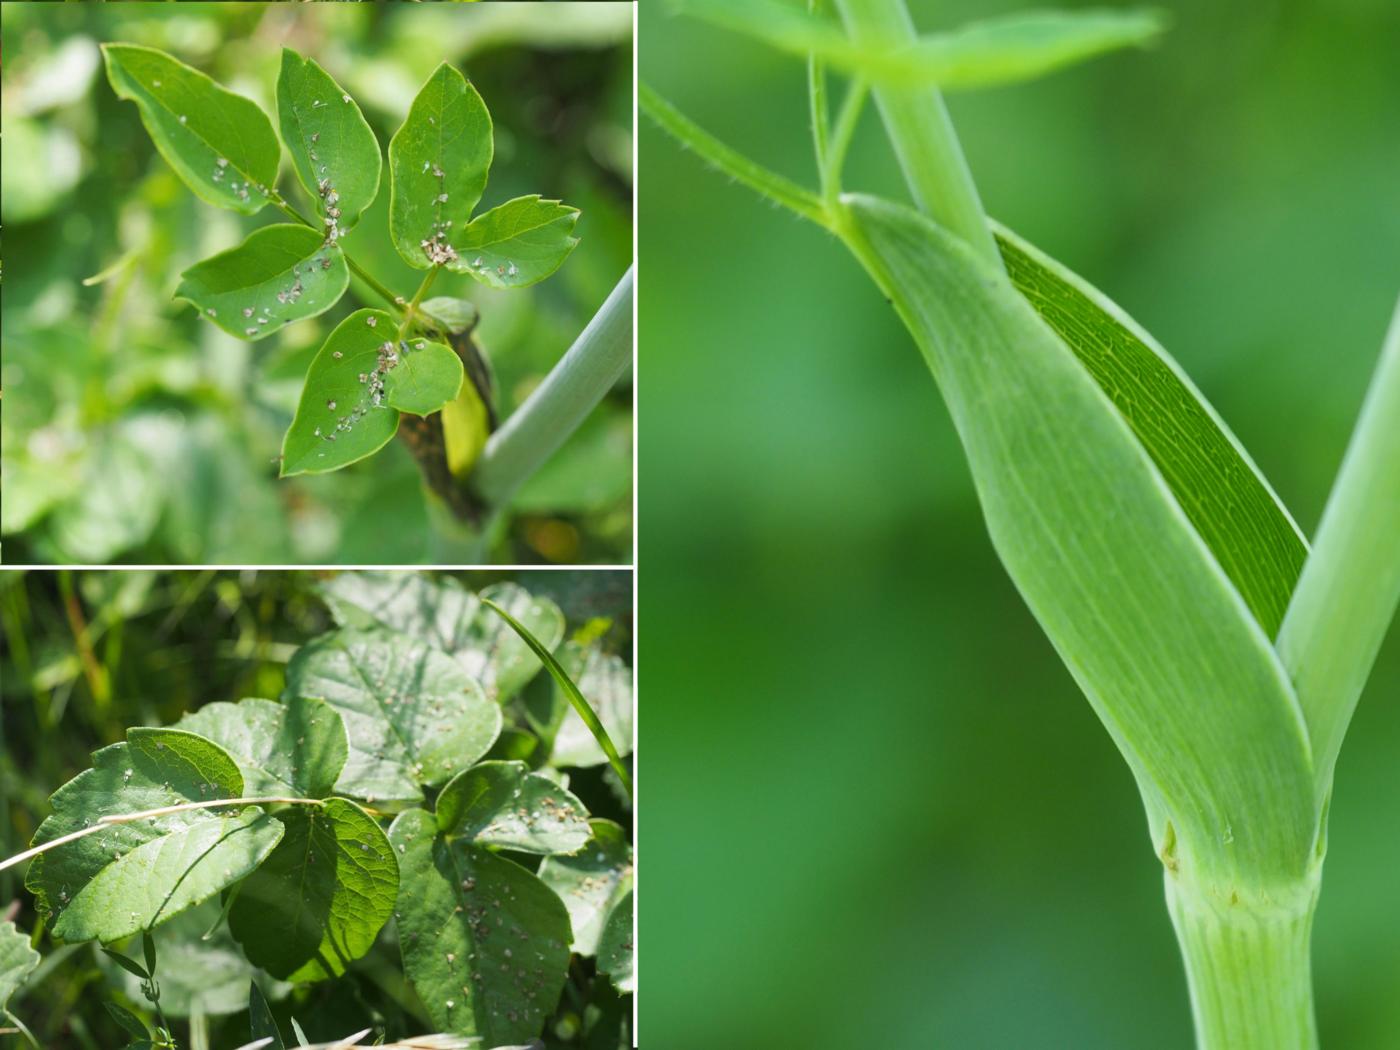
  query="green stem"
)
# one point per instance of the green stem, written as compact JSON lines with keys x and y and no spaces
{"x":921,"y":131}
{"x":417,"y":298}
{"x":816,"y":95}
{"x":1350,"y":584}
{"x":845,"y":130}
{"x":581,"y":379}
{"x":1248,"y":970}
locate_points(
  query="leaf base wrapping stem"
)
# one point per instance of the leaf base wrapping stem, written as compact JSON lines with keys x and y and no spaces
{"x":1248,"y":968}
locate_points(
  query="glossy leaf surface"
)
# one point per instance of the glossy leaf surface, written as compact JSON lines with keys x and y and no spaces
{"x":412,"y":715}
{"x":591,"y":882}
{"x":280,"y":274}
{"x":297,"y":748}
{"x":220,"y":143}
{"x":504,"y":804}
{"x":427,"y":377}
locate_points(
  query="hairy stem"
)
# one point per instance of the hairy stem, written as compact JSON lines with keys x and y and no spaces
{"x":921,"y":131}
{"x":103,"y":823}
{"x":581,"y":379}
{"x":1350,"y":584}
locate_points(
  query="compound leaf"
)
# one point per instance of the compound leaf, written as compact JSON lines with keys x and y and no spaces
{"x":591,"y":882}
{"x":17,"y":961}
{"x":438,"y":161}
{"x":280,"y":274}
{"x":1146,"y":620}
{"x":504,"y":804}
{"x":427,"y":377}
{"x":518,"y":243}
{"x":342,"y":416}
{"x":485,"y":943}
{"x":333,"y":149}
{"x":606,"y":683}
{"x":454,"y":620}
{"x":321,"y":897}
{"x":413,"y":717}
{"x":616,"y":950}
{"x":220,"y":143}
{"x":137,"y":874}
{"x":297,"y":748}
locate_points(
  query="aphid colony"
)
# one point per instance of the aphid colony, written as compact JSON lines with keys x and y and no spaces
{"x":387,"y":358}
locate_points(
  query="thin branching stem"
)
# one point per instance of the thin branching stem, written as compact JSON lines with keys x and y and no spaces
{"x":103,"y":823}
{"x":844,"y":131}
{"x":731,"y":162}
{"x":423,"y":286}
{"x":816,"y":94}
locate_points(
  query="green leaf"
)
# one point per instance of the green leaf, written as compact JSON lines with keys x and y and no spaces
{"x":208,"y":975}
{"x":260,"y":1019}
{"x":1229,"y":502}
{"x":280,"y":274}
{"x":455,"y":315}
{"x":1146,"y":620}
{"x":17,"y":961}
{"x":504,"y":804}
{"x":321,"y":897}
{"x":606,"y":682}
{"x":427,"y":377}
{"x":131,"y":966}
{"x":220,"y":143}
{"x":342,"y":416}
{"x":295,"y":748}
{"x":128,"y":1020}
{"x":616,"y":948}
{"x":518,"y":243}
{"x":997,"y":51}
{"x":591,"y":882}
{"x":484,"y":942}
{"x":438,"y":162}
{"x":117,"y":882}
{"x":413,"y":717}
{"x":333,"y":149}
{"x":450,"y":616}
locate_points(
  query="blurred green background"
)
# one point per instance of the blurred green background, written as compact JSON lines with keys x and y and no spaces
{"x":920,"y":836}
{"x":133,"y":431}
{"x":86,"y":654}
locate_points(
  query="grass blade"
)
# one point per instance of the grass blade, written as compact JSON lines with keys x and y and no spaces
{"x":1350,"y":585}
{"x":988,"y":53}
{"x":1150,"y":626}
{"x":1244,"y":523}
{"x":584,"y":709}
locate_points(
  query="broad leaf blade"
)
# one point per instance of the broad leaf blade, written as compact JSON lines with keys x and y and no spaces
{"x":454,"y":620}
{"x":591,"y":882}
{"x":504,"y":804}
{"x":280,"y":274}
{"x":1147,"y":622}
{"x":342,"y":416}
{"x":17,"y":961}
{"x":438,"y":161}
{"x":297,"y":748}
{"x":412,"y":715}
{"x":616,"y":950}
{"x":321,"y":897}
{"x":220,"y":143}
{"x":1227,"y":499}
{"x":485,"y":942}
{"x":427,"y":377}
{"x":606,"y":682}
{"x":109,"y":885}
{"x":518,"y":243}
{"x":333,"y":149}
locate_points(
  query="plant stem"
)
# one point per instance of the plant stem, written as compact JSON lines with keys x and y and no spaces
{"x":846,"y":122}
{"x":1350,"y":584}
{"x":816,"y":95}
{"x":417,"y":297}
{"x":581,"y":379}
{"x":921,"y":131}
{"x":1248,"y":970}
